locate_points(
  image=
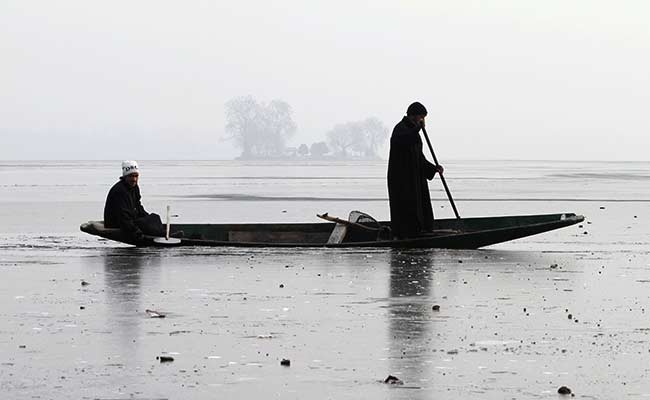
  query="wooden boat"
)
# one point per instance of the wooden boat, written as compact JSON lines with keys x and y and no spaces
{"x":466,"y":233}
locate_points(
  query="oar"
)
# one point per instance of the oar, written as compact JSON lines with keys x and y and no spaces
{"x":327,"y":217}
{"x":167,"y":239}
{"x":442,"y":178}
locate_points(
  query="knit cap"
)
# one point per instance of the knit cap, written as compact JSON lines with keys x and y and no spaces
{"x":129,"y":167}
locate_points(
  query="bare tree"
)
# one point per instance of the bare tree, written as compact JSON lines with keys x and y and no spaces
{"x":260,"y":130}
{"x":363,"y":138}
{"x":343,"y":138}
{"x":375,"y":134}
{"x":242,"y":116}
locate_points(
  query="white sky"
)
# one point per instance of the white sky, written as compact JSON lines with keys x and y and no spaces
{"x":518,"y":79}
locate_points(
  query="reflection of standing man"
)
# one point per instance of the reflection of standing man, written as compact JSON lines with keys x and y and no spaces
{"x":408,"y":171}
{"x":410,"y":327}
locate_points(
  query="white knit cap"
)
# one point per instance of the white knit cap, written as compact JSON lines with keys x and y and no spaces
{"x":129,"y":167}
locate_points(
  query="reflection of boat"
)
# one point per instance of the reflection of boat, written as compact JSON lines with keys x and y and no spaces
{"x":467,"y":233}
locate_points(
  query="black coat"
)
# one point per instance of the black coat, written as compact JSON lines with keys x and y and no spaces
{"x":123,"y":207}
{"x":408,"y":190}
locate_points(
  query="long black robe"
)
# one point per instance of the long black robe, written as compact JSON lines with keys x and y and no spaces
{"x":408,"y":190}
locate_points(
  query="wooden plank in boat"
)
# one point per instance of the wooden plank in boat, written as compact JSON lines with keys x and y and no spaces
{"x":338,"y":234}
{"x":340,"y":230}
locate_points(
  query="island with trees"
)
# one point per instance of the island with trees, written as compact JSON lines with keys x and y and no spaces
{"x":262,"y":131}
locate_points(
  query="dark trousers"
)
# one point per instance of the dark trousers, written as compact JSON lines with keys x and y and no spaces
{"x":151,"y":225}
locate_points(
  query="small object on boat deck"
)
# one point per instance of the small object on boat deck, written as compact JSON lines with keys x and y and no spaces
{"x":154,"y":314}
{"x":285,"y":362}
{"x":553,"y":266}
{"x":22,"y":346}
{"x":82,"y":307}
{"x":393,"y":380}
{"x":84,"y":283}
{"x":281,"y":285}
{"x":164,"y":359}
{"x":435,"y":307}
{"x":564,"y":390}
{"x":167,"y":240}
{"x":602,"y":208}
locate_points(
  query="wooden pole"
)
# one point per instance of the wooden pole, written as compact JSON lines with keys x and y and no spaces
{"x":442,"y":178}
{"x":167,"y":227}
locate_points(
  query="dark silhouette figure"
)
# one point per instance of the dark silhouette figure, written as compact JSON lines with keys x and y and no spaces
{"x":408,"y":170}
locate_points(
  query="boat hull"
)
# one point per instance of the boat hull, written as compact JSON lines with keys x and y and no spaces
{"x":467,"y":233}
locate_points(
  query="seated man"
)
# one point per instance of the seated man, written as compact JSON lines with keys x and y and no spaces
{"x":124,"y":210}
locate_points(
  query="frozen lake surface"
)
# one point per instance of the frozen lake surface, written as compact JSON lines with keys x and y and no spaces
{"x":345,"y":319}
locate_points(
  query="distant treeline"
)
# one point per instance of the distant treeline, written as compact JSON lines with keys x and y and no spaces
{"x":261,"y":131}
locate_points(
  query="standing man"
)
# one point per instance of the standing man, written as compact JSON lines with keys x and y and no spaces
{"x":124,"y":210}
{"x":408,"y":170}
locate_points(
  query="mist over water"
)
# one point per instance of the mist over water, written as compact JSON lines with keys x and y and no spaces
{"x":561,"y":80}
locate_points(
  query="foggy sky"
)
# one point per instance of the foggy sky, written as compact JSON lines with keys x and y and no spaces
{"x":552,"y":79}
